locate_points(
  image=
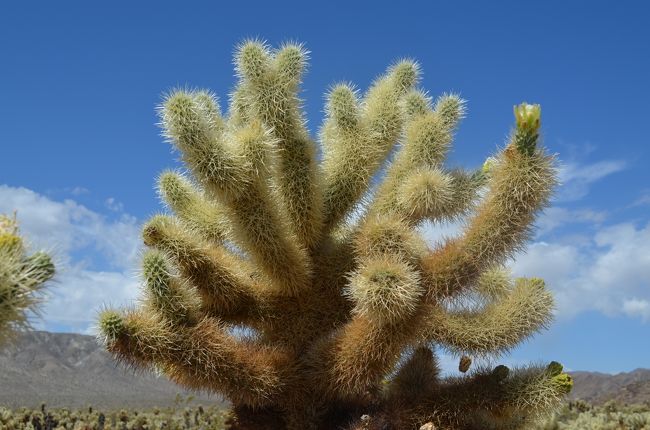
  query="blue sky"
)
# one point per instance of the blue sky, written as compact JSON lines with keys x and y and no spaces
{"x":80,"y":149}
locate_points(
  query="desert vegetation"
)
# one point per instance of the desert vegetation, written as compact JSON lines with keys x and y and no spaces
{"x":580,"y":415}
{"x":299,"y":285}
{"x":575,"y":415}
{"x":180,"y":416}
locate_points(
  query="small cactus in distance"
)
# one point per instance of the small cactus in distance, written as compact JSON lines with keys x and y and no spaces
{"x":341,"y":313}
{"x":22,"y":276}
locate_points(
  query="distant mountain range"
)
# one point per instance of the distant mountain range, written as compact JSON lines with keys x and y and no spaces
{"x":73,"y":370}
{"x":598,"y":388}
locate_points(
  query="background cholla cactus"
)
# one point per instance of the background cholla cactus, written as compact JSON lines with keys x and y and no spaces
{"x":22,"y":276}
{"x":263,"y":287}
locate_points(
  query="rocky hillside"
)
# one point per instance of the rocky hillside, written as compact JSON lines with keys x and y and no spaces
{"x":73,"y":370}
{"x":630,"y":387}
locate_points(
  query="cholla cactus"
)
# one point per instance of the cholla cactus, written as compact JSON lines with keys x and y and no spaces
{"x":21,"y":278}
{"x":262,"y":286}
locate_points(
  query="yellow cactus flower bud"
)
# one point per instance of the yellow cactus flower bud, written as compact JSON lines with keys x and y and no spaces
{"x":564,"y":382}
{"x":528,"y":116}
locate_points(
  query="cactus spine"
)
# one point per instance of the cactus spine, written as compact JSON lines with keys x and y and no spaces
{"x":22,"y":276}
{"x":341,"y":313}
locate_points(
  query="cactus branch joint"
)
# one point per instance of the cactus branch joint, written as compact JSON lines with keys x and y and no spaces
{"x":260,"y":285}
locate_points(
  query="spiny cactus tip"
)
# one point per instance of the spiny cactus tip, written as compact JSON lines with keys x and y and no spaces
{"x":252,"y":59}
{"x":406,"y":74}
{"x":151,"y":232}
{"x":111,"y":324}
{"x":291,"y":61}
{"x":154,"y":268}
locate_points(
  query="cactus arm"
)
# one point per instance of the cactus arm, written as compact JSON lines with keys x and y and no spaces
{"x":355,"y":358}
{"x":268,"y":92}
{"x":519,"y":189}
{"x":520,"y":183}
{"x":499,"y":398}
{"x":343,"y":142}
{"x":427,"y":137}
{"x":236,"y":176}
{"x":436,"y":195}
{"x":498,"y":326}
{"x":226,"y":289}
{"x":358,"y":136}
{"x":201,"y":356}
{"x":167,"y":294}
{"x":199,"y":214}
{"x":423,"y":194}
{"x":451,"y":109}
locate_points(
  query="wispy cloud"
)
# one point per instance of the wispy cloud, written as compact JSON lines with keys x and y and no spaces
{"x":556,"y":217}
{"x":95,"y":255}
{"x":77,"y":191}
{"x":576,"y":178}
{"x":643,"y":200}
{"x":113,"y":205}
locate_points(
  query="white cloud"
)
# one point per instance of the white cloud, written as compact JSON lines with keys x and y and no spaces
{"x":78,"y":237}
{"x":575,"y":179}
{"x":637,"y":307}
{"x":609,"y":273}
{"x":74,"y":300}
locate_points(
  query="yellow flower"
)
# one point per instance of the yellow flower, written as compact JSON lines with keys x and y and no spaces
{"x":528,"y":116}
{"x":564,"y":382}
